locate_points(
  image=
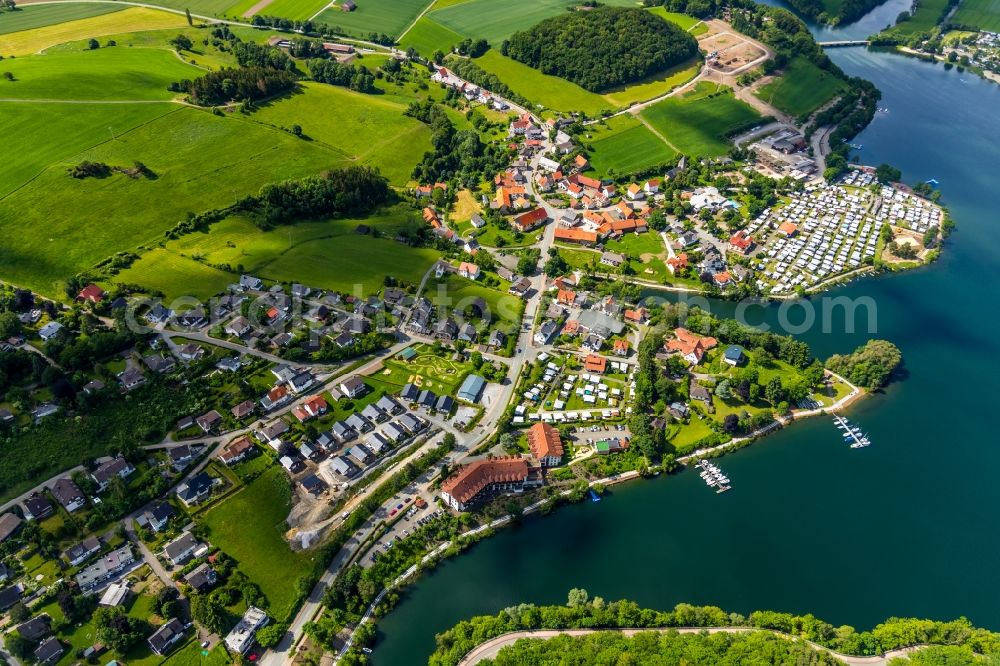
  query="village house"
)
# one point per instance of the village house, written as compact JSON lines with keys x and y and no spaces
{"x":37,"y":507}
{"x":68,"y":494}
{"x":209,"y":421}
{"x":196,"y":489}
{"x":741,"y":243}
{"x":469,"y":270}
{"x":691,"y":346}
{"x":526,"y":222}
{"x":83,"y":551}
{"x":181,"y":549}
{"x":118,"y":467}
{"x":545,"y":444}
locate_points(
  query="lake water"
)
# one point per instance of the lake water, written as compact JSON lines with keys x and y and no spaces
{"x":908,"y":526}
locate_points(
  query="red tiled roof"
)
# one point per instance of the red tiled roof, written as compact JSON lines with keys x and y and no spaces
{"x":576,"y":235}
{"x":595,"y":363}
{"x":544,"y":441}
{"x":472,"y":479}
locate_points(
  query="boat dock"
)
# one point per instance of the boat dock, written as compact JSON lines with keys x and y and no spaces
{"x":713,"y":476}
{"x":852,"y":434}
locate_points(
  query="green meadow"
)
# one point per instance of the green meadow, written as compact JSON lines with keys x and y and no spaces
{"x":693,"y":25}
{"x":360,"y":127}
{"x":200,"y":161}
{"x":653,"y":86}
{"x":801,"y":89}
{"x":133,"y":19}
{"x":389,"y":16}
{"x":983,"y":14}
{"x":623,"y":145}
{"x":114,"y":73}
{"x":297,"y":10}
{"x":428,"y":36}
{"x":496,"y":21}
{"x":551,"y":92}
{"x":200,"y":7}
{"x":250,"y":526}
{"x":924,"y":19}
{"x":697,"y":123}
{"x":29,"y":17}
{"x":325,"y":254}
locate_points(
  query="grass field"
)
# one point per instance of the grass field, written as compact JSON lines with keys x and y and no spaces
{"x":132,"y":19}
{"x":698,"y":124}
{"x":201,"y":161}
{"x":364,"y":128}
{"x":924,"y":19}
{"x":647,"y":252}
{"x":389,"y":16}
{"x":983,"y":14}
{"x":691,"y":24}
{"x":427,"y":370}
{"x":496,"y":21}
{"x":428,"y":36}
{"x":297,"y":10}
{"x":625,"y":145}
{"x":801,"y":89}
{"x":201,"y":7}
{"x":116,"y":73}
{"x":249,"y":526}
{"x":654,"y":85}
{"x":550,"y":91}
{"x":304,"y":252}
{"x":39,"y":16}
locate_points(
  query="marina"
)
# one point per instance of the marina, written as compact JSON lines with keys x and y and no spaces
{"x":852,"y":434}
{"x":713,"y":476}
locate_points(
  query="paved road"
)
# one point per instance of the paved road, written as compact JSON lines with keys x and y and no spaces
{"x":489,"y":649}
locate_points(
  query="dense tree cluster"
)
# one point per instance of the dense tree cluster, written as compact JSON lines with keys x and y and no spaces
{"x":870,"y":365}
{"x":227,"y":84}
{"x":581,"y":612}
{"x":340,"y":74}
{"x":670,"y":648}
{"x":602,"y":48}
{"x":252,"y":54}
{"x":459,"y":155}
{"x":352,"y":190}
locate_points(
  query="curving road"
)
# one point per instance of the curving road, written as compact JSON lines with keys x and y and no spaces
{"x":490,"y":648}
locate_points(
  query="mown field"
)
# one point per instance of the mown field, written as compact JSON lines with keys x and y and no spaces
{"x":249,"y":526}
{"x":29,"y":17}
{"x":428,"y":36}
{"x":365,"y":128}
{"x":297,"y":10}
{"x":983,"y":14}
{"x":624,"y":145}
{"x":112,"y":73}
{"x":326,"y":254}
{"x":454,"y":292}
{"x":552,"y":92}
{"x":389,"y":16}
{"x":201,"y":7}
{"x":200,"y":161}
{"x":132,"y":19}
{"x":802,"y":88}
{"x":699,"y":124}
{"x":496,"y":21}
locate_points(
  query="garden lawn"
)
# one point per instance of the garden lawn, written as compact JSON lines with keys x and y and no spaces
{"x":201,"y":161}
{"x":455,"y":292}
{"x":191,"y":655}
{"x":29,"y":17}
{"x":550,"y":91}
{"x":428,"y":36}
{"x":698,"y":124}
{"x":391,"y":17}
{"x":440,"y":370}
{"x":363,"y":128}
{"x":579,"y":259}
{"x":27,"y":42}
{"x":802,"y":88}
{"x":647,"y":252}
{"x":625,"y":145}
{"x":115,"y":73}
{"x":249,"y":525}
{"x":983,"y":14}
{"x":296,"y":10}
{"x":684,"y":437}
{"x":655,"y":85}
